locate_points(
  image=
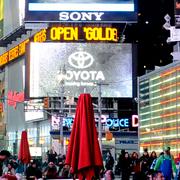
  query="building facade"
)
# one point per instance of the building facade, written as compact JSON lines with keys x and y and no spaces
{"x":159,"y":109}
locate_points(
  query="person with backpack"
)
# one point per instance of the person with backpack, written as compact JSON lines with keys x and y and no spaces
{"x":165,"y":163}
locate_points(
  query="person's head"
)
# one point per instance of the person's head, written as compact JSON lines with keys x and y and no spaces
{"x":153,"y":154}
{"x":51,"y":164}
{"x":134,"y":155}
{"x":158,"y":176}
{"x":126,"y":155}
{"x":10,"y":165}
{"x":145,"y":153}
{"x":33,"y":163}
{"x":122,"y":151}
{"x":167,"y":150}
{"x":4,"y":154}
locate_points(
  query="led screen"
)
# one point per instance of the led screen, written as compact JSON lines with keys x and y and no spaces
{"x":81,"y":10}
{"x":82,"y":66}
{"x":177,"y":13}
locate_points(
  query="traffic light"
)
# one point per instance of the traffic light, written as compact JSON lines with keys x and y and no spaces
{"x":46,"y":102}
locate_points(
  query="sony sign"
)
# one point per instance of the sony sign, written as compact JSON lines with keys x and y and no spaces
{"x":80,"y":16}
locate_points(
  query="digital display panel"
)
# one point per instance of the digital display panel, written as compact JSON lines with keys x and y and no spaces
{"x":81,"y":11}
{"x":82,"y":66}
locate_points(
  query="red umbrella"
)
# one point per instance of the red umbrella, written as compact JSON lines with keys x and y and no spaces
{"x":24,"y":153}
{"x":84,"y":155}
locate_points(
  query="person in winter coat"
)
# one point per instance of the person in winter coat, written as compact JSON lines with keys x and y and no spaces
{"x":135,"y":166}
{"x":32,"y":172}
{"x":109,"y":164}
{"x":51,"y":171}
{"x":166,"y":164}
{"x":126,"y":168}
{"x":144,"y":162}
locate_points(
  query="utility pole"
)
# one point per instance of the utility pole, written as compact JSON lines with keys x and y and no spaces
{"x":61,"y":112}
{"x":100,"y":113}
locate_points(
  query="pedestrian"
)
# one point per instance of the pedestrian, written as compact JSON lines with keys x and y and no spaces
{"x":166,"y":164}
{"x":4,"y":155}
{"x":9,"y":169}
{"x":109,"y":163}
{"x":144,"y":162}
{"x":126,"y":168}
{"x":51,"y":154}
{"x":119,"y":164}
{"x":32,"y":171}
{"x":135,"y":166}
{"x":51,"y":171}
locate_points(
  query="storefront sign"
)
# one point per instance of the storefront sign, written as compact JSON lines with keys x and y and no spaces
{"x":14,"y":98}
{"x":109,"y":122}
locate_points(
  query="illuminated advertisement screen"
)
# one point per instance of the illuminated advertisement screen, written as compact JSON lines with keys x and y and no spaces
{"x":82,"y":66}
{"x":177,"y":13}
{"x":81,"y":11}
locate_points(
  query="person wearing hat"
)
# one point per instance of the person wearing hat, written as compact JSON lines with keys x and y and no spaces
{"x":166,"y":164}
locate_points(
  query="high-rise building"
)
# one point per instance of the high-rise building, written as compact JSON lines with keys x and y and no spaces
{"x":159,"y":109}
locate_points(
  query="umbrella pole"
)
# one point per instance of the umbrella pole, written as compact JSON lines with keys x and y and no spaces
{"x":99,"y":122}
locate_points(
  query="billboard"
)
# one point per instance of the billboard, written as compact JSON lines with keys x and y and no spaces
{"x":1,"y":17}
{"x":82,"y":66}
{"x":81,"y":11}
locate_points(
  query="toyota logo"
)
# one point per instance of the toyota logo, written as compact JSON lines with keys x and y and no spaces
{"x":80,"y":60}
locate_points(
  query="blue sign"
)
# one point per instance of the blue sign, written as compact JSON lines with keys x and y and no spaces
{"x":110,"y":122}
{"x":81,"y":11}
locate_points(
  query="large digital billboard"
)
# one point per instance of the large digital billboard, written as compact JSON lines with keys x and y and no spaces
{"x":81,"y":11}
{"x":82,"y":66}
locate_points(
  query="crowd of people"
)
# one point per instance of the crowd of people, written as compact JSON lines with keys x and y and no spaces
{"x":148,"y":166}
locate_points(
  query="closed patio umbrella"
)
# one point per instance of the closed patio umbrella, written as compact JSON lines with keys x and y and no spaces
{"x":24,"y":153}
{"x":84,"y":155}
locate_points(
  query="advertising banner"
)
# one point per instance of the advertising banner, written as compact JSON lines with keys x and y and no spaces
{"x":1,"y":17}
{"x":81,"y":11}
{"x":83,"y":66}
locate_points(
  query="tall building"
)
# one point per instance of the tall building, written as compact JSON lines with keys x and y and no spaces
{"x":159,"y":109}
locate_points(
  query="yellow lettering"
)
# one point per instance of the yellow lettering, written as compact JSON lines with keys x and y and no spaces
{"x":64,"y":33}
{"x":101,"y":34}
{"x":13,"y":53}
{"x":70,"y":33}
{"x":4,"y":59}
{"x":40,"y":36}
{"x":22,"y":47}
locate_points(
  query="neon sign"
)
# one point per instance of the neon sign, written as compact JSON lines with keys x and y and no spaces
{"x":13,"y":53}
{"x":108,"y":122}
{"x":117,"y":122}
{"x":89,"y":33}
{"x":14,"y":98}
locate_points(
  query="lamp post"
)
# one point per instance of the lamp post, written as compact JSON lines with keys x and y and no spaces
{"x":61,"y":78}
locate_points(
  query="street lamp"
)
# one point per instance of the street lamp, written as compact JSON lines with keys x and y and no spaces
{"x":61,"y":78}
